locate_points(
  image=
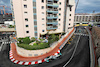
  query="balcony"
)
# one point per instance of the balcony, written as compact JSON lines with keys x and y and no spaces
{"x":56,"y":0}
{"x":34,"y":0}
{"x":49,"y":0}
{"x":35,"y":31}
{"x":51,"y":27}
{"x":52,"y":0}
{"x":34,"y":14}
{"x":52,"y":17}
{"x":55,"y":11}
{"x":35,"y":25}
{"x":35,"y":20}
{"x":53,"y":22}
{"x":52,"y":4}
{"x":34,"y":7}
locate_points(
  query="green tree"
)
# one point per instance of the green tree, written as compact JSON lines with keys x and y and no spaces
{"x":57,"y":38}
{"x":26,"y":40}
{"x":20,"y":40}
{"x":10,"y":26}
{"x":53,"y":37}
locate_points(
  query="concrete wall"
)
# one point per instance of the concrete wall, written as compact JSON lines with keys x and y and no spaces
{"x":32,"y":53}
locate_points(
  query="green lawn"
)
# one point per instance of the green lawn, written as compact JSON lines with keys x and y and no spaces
{"x":34,"y":46}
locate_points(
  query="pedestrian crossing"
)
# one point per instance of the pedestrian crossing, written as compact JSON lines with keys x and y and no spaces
{"x":6,"y":42}
{"x":81,"y":34}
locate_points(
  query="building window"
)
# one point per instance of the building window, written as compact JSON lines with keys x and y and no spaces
{"x":27,"y":31}
{"x":69,"y":19}
{"x":35,"y":34}
{"x":42,"y":18}
{"x":34,"y":10}
{"x":42,"y":24}
{"x":35,"y":17}
{"x":25,"y":12}
{"x":70,"y":8}
{"x":25,"y":6}
{"x":42,"y":1}
{"x":34,"y":4}
{"x":43,"y":30}
{"x":42,"y":7}
{"x":59,"y":14}
{"x":27,"y":26}
{"x":70,"y":14}
{"x":59,"y":8}
{"x":67,"y":1}
{"x":35,"y":22}
{"x":59,"y":19}
{"x":35,"y":28}
{"x":60,"y":3}
{"x":42,"y":13}
{"x":26,"y":19}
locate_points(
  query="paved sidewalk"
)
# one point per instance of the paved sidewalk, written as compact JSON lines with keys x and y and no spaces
{"x":52,"y":52}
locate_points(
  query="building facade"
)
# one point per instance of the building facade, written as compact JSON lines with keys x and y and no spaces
{"x":5,"y":17}
{"x":34,"y":18}
{"x":84,"y":18}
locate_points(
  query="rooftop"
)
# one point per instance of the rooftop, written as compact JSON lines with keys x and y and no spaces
{"x":87,"y":14}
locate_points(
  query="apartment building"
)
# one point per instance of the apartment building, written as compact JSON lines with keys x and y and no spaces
{"x":34,"y":18}
{"x":84,"y":18}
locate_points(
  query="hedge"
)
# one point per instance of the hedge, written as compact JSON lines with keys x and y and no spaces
{"x":34,"y":47}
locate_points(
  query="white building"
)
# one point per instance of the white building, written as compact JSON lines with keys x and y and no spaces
{"x":36,"y":17}
{"x":84,"y":18}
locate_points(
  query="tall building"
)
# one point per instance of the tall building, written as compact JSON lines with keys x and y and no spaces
{"x":34,"y":18}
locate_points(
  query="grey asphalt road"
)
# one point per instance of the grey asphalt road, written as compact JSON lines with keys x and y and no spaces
{"x":81,"y":58}
{"x":66,"y":52}
{"x":82,"y":55}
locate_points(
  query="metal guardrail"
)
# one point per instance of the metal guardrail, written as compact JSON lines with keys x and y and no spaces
{"x":92,"y":56}
{"x":67,"y":39}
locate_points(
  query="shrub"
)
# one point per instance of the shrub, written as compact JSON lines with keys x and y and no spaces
{"x":33,"y":39}
{"x":34,"y":47}
{"x":34,"y":44}
{"x":26,"y":40}
{"x":57,"y":38}
{"x":41,"y":39}
{"x":53,"y":38}
{"x":20,"y":40}
{"x":63,"y":33}
{"x":11,"y":26}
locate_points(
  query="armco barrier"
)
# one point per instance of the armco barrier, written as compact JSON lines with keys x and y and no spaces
{"x":28,"y":63}
{"x":92,"y":55}
{"x":66,"y":40}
